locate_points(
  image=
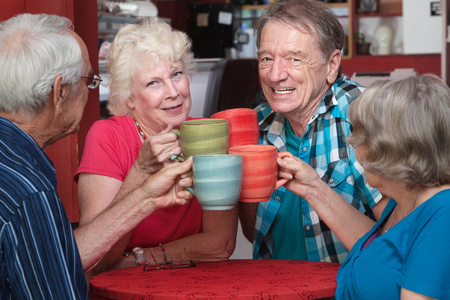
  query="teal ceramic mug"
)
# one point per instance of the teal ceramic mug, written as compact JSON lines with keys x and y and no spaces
{"x":217,"y":180}
{"x":202,"y":136}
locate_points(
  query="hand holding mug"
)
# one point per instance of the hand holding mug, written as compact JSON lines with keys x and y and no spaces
{"x":167,"y":186}
{"x":154,"y":151}
{"x":301,"y":177}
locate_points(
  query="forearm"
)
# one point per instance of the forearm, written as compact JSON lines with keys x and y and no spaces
{"x":410,"y":295}
{"x":215,"y":243}
{"x":247,"y":216}
{"x":134,"y":179}
{"x":346,"y":222}
{"x":98,"y":236}
{"x":111,"y":260}
{"x":165,"y":189}
{"x":199,"y":247}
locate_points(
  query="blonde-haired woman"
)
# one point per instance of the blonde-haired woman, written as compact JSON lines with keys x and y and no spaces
{"x":149,"y":65}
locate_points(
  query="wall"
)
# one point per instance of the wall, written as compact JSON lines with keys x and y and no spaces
{"x":366,"y":63}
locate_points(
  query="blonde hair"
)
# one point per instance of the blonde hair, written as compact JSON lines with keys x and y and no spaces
{"x":154,"y":39}
{"x":404,"y":127}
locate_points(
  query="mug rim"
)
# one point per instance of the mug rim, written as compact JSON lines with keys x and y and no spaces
{"x":216,"y":155}
{"x":233,"y":112}
{"x":252,"y":148}
{"x":206,"y":121}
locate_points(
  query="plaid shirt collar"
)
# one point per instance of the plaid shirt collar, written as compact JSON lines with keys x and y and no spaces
{"x":274,"y":122}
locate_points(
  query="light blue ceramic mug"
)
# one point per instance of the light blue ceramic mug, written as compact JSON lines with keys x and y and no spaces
{"x":217,"y":180}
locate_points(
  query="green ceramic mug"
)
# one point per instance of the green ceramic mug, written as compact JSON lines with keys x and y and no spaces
{"x":202,"y":137}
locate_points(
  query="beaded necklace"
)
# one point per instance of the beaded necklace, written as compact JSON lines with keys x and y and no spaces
{"x":141,"y":133}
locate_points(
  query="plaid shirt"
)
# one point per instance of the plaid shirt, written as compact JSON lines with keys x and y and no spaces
{"x":334,"y":162}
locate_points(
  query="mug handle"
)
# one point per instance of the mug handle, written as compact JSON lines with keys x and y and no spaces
{"x":281,"y":182}
{"x":178,"y":157}
{"x":191,"y":190}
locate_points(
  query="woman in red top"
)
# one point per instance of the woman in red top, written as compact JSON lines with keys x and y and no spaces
{"x":149,"y":65}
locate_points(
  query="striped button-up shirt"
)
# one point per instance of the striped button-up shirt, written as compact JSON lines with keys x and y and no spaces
{"x":334,"y":161}
{"x":39,"y":257}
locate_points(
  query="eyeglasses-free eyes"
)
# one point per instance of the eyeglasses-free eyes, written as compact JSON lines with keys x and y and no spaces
{"x":93,"y":82}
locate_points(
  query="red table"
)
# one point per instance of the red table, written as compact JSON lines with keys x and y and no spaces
{"x":243,"y":279}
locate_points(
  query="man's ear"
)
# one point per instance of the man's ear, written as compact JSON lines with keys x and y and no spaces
{"x":58,"y":94}
{"x":334,"y":63}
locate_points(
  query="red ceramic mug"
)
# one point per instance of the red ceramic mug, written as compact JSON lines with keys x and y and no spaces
{"x":243,"y":128}
{"x":259,"y":171}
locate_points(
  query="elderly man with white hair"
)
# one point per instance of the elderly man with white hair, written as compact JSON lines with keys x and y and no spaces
{"x":45,"y":77}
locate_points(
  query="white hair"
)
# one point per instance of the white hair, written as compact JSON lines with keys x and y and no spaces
{"x":34,"y":50}
{"x":132,"y":43}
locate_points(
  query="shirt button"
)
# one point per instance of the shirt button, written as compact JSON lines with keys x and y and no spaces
{"x":331,"y":181}
{"x":308,"y":227}
{"x":261,"y":236}
{"x":277,"y":198}
{"x":305,"y":149}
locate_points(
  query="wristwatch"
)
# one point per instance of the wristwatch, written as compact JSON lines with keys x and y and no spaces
{"x":139,"y":256}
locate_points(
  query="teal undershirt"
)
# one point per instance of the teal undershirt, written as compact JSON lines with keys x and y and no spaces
{"x":287,"y":231}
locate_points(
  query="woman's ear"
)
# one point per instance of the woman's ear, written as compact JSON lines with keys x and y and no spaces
{"x":130,"y":103}
{"x":334,"y":63}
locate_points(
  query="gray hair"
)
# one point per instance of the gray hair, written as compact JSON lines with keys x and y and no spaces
{"x":154,"y":39}
{"x":404,"y":128}
{"x":309,"y":16}
{"x":34,"y":51}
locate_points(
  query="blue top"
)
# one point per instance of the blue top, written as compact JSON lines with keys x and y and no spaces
{"x":39,"y":258}
{"x":323,"y":147}
{"x":413,"y":254}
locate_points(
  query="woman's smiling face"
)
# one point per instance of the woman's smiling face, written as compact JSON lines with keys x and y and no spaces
{"x":160,"y":94}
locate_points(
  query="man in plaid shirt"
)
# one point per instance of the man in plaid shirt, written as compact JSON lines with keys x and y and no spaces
{"x":299,"y":54}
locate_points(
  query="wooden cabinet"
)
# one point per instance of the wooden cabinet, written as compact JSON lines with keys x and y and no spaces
{"x":388,"y":12}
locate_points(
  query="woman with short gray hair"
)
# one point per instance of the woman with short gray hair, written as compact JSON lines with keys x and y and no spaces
{"x":402,"y":139}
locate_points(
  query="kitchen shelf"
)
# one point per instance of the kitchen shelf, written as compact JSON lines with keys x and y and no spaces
{"x":341,"y":5}
{"x":382,"y":15}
